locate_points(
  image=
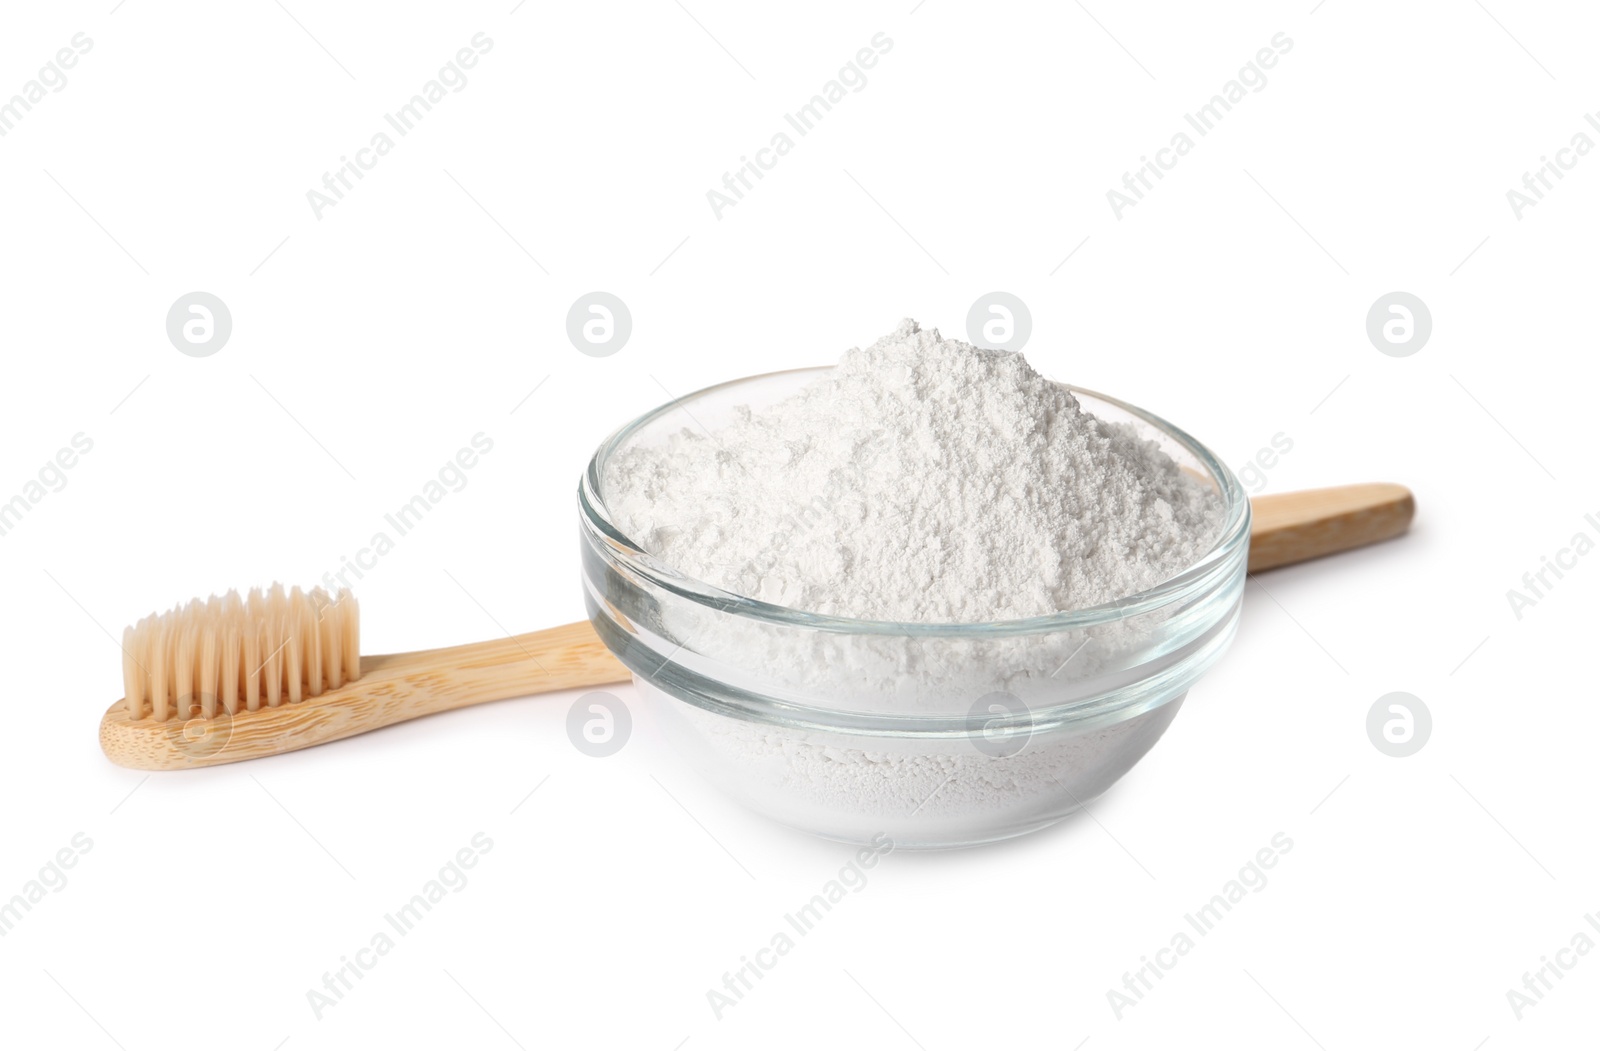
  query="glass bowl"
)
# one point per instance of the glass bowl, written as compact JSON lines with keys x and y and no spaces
{"x":923,"y":735}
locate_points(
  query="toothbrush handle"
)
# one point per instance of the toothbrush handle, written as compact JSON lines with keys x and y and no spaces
{"x":564,"y":658}
{"x":1296,"y":527}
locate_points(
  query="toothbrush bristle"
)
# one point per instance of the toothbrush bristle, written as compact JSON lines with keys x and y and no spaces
{"x":233,"y":654}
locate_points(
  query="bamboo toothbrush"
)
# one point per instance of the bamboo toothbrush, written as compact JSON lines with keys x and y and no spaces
{"x":277,"y":671}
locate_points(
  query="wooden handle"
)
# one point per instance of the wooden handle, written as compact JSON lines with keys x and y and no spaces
{"x":392,"y":689}
{"x":1290,"y":527}
{"x":1295,"y":527}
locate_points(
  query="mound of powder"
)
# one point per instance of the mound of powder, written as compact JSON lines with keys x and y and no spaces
{"x":920,"y":480}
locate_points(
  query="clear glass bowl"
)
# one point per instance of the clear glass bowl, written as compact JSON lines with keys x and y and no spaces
{"x":932,"y":735}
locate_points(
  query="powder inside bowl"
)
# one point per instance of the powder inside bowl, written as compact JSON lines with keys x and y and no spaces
{"x":921,"y":480}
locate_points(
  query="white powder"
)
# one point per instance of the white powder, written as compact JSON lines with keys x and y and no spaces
{"x":922,"y":794}
{"x":922,"y":479}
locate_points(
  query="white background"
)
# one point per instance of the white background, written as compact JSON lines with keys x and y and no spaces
{"x":372,"y":343}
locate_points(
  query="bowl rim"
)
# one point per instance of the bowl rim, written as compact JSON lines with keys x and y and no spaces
{"x":1231,"y":537}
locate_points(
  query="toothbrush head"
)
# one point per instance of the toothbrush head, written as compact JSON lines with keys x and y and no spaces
{"x":230,"y":654}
